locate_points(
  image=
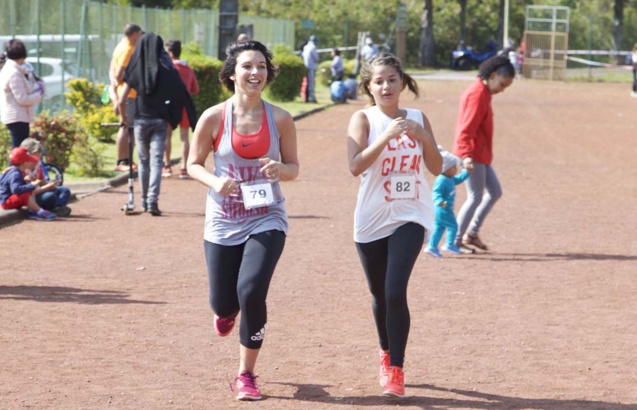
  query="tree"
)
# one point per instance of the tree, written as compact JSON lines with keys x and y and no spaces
{"x":618,"y":26}
{"x":463,"y":21}
{"x":427,"y":43}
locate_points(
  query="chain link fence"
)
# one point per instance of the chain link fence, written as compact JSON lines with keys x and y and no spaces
{"x":75,"y":38}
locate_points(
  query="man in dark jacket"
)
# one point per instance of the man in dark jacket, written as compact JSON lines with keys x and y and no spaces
{"x":161,"y":98}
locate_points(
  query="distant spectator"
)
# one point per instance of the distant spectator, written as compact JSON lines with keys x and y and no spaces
{"x":369,"y":50}
{"x":311,"y":60}
{"x":634,"y":61}
{"x":243,"y":38}
{"x":15,"y":192}
{"x":121,"y":57}
{"x":54,"y":197}
{"x":337,"y":67}
{"x":338,"y":92}
{"x":352,"y":86}
{"x":17,"y":97}
{"x":492,"y":45}
{"x":187,"y":74}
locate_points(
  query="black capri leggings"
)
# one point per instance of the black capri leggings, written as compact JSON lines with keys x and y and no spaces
{"x":239,"y":278}
{"x":388,"y":263}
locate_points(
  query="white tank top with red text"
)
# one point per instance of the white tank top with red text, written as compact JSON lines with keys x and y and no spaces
{"x":377,"y":216}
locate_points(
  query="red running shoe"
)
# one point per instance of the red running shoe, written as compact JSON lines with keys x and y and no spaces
{"x":383,"y":373}
{"x":223,"y":325}
{"x":396,"y":385}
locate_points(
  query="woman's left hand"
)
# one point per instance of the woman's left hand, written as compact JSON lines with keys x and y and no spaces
{"x":416,"y":131}
{"x":272,"y":169}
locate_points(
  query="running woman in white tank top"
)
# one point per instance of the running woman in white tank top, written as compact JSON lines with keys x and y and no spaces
{"x":254,"y":146}
{"x":389,"y":148}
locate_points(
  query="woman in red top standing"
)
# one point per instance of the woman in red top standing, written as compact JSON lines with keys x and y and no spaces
{"x":474,"y":144}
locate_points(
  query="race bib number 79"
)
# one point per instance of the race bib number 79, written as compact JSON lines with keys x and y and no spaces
{"x":257,"y":195}
{"x":402,"y":187}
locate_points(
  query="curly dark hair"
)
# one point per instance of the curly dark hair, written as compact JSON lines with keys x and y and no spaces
{"x":501,"y":65}
{"x":384,"y":59}
{"x":233,"y":50}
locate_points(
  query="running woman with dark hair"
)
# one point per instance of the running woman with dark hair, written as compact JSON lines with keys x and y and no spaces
{"x":473,"y":143}
{"x":389,"y":148}
{"x":254,"y":147}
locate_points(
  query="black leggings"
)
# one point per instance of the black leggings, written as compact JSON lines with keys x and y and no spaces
{"x":388,"y":263}
{"x":239,"y":278}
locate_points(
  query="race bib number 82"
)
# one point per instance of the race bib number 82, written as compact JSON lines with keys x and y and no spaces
{"x":403,"y":187}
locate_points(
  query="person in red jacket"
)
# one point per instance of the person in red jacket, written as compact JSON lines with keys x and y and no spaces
{"x":187,"y":74}
{"x":474,"y":144}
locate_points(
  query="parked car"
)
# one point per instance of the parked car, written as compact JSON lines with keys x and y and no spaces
{"x":467,"y":58}
{"x":55,"y":73}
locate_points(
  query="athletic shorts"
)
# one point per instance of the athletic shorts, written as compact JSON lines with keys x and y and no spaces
{"x":17,"y":201}
{"x":184,"y":120}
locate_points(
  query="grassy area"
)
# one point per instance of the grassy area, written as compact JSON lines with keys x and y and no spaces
{"x":295,"y":107}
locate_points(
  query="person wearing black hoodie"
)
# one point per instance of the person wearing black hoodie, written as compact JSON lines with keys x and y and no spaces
{"x":161,"y":97}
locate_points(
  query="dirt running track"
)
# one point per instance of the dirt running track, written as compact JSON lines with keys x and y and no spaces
{"x":108,"y":311}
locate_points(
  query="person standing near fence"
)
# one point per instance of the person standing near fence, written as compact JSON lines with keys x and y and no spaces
{"x":633,"y":57}
{"x":161,"y":98}
{"x":254,"y":147}
{"x":389,"y":147}
{"x":311,"y":60}
{"x":473,"y":143}
{"x":17,"y":98}
{"x":121,"y":57}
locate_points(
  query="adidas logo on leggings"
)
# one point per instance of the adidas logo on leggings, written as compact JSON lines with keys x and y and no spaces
{"x":259,"y":335}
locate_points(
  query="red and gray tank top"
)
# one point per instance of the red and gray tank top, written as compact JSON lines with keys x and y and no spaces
{"x":228,"y":222}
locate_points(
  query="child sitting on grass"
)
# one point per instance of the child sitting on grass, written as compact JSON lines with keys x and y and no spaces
{"x":444,"y":195}
{"x":15,"y":192}
{"x":56,"y":197}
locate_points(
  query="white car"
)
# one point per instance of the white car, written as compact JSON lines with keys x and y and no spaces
{"x":55,"y":73}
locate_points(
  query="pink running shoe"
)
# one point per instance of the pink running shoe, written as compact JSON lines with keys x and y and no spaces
{"x":246,"y":386}
{"x":383,"y":373}
{"x":396,"y":385}
{"x":223,"y":325}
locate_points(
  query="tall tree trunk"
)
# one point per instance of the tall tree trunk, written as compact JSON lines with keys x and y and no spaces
{"x":618,"y":26}
{"x":427,"y":43}
{"x":500,"y":33}
{"x":463,"y":23}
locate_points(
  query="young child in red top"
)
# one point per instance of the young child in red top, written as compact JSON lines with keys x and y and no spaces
{"x":15,"y":192}
{"x":187,"y":74}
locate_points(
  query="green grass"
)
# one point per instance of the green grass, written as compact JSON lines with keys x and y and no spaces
{"x":295,"y":107}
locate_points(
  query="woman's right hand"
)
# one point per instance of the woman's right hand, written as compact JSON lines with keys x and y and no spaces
{"x":225,"y":186}
{"x":468,"y":164}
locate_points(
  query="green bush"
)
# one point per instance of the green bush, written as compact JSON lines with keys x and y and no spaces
{"x":325,"y":73}
{"x":287,"y":85}
{"x":91,"y":113}
{"x":59,"y":132}
{"x":207,"y":70}
{"x":5,"y":146}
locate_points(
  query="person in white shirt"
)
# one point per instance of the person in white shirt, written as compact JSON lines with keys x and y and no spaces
{"x":389,"y":148}
{"x":311,"y":60}
{"x":369,"y":50}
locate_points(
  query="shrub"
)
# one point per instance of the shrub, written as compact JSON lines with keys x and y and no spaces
{"x":85,"y":96}
{"x":287,"y":85}
{"x":207,"y":70}
{"x":5,"y":146}
{"x":59,"y":135}
{"x":87,"y":156}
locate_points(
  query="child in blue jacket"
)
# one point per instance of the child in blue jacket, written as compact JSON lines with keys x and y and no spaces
{"x":444,"y":195}
{"x":15,"y":192}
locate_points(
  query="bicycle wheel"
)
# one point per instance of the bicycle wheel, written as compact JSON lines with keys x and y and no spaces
{"x":54,"y":172}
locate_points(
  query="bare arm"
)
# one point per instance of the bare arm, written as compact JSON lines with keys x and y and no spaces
{"x":121,"y":103}
{"x":203,"y":139}
{"x":288,"y":168}
{"x":424,"y":134}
